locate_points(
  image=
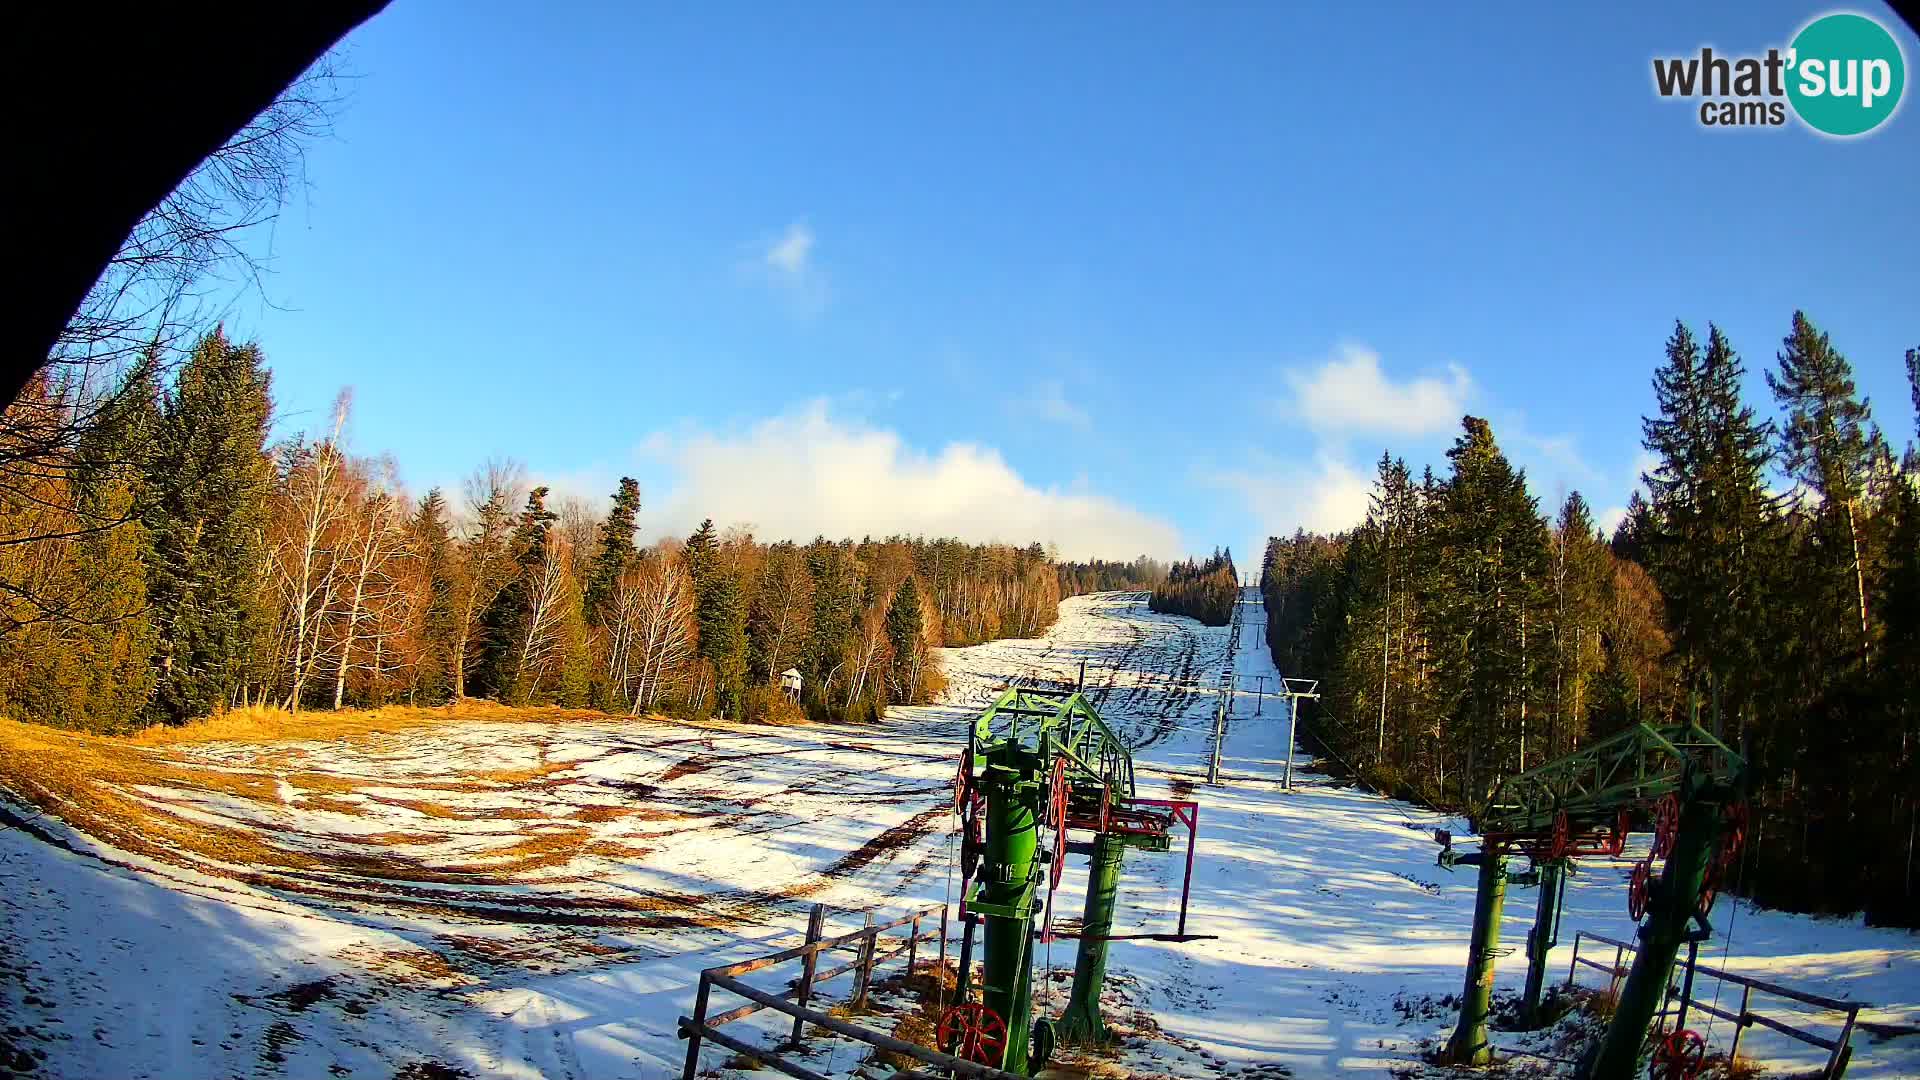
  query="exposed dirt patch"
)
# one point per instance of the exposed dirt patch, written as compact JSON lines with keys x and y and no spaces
{"x":892,"y":840}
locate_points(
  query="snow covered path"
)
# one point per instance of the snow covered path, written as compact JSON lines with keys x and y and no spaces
{"x":467,"y":948}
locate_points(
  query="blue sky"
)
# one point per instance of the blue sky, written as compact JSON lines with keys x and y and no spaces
{"x":1136,"y":278}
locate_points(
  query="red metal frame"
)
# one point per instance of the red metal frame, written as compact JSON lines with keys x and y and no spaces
{"x":1185,"y":812}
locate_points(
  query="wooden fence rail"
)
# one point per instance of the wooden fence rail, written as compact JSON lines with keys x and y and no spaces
{"x":866,"y":944}
{"x":1839,"y":1048}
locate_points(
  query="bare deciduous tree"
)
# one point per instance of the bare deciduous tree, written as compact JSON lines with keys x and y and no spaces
{"x":659,"y":599}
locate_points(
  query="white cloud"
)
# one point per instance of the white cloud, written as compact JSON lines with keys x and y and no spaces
{"x":1048,"y":400}
{"x":808,"y":472}
{"x":1349,"y":393}
{"x":1323,"y":495}
{"x":1610,"y":519}
{"x":786,"y":264}
{"x":789,"y":253}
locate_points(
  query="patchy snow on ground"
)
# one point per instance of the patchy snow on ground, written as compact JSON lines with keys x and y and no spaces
{"x":537,"y":899}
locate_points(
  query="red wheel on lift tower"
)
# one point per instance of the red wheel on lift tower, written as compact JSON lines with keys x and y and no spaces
{"x":974,"y":1032}
{"x":1562,"y":836}
{"x":1733,"y":836}
{"x":1637,"y":890}
{"x":1666,"y":825}
{"x":1057,"y":817}
{"x":963,"y":781}
{"x":1617,"y":843}
{"x":1680,"y":1056}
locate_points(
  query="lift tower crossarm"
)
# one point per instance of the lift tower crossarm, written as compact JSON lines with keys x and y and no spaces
{"x":1594,"y":783}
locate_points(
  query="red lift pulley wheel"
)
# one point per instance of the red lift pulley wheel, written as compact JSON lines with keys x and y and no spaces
{"x":1637,"y":888}
{"x":974,"y":1032}
{"x":1680,"y":1056}
{"x":1666,"y":825}
{"x":1057,"y":817}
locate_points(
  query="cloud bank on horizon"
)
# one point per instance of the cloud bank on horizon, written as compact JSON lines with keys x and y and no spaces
{"x":808,"y":472}
{"x":814,"y":471}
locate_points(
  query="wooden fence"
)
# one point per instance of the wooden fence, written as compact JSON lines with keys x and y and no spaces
{"x":867,"y":945}
{"x":1839,"y":1048}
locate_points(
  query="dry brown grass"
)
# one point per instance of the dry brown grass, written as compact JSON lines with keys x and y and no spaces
{"x":263,"y":724}
{"x":335,"y":806}
{"x":423,"y":806}
{"x":393,"y":839}
{"x":92,"y":781}
{"x":601,"y":814}
{"x":126,"y":791}
{"x":522,"y":777}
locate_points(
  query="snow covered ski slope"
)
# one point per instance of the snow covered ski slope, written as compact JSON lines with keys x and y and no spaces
{"x":527,"y":899}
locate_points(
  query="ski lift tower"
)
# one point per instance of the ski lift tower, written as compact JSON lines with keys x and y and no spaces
{"x":1691,"y":785}
{"x":1037,"y":766}
{"x":1294,"y":690}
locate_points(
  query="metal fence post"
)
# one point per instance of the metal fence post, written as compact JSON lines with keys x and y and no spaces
{"x":863,"y":973}
{"x":1740,"y":1025}
{"x":913,"y":942}
{"x":1575,"y":962}
{"x":816,"y":923}
{"x":699,"y":1025}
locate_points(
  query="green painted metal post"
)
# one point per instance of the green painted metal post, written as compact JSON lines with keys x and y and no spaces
{"x":1006,"y":892}
{"x":1675,"y":898}
{"x":1469,"y":1045}
{"x":1542,"y":938}
{"x":1081,"y":1022}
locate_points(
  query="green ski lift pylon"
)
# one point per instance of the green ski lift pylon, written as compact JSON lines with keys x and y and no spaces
{"x":1036,"y":763}
{"x":1581,"y":804}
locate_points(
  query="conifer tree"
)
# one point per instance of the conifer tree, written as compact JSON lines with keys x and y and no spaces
{"x":1829,"y":447}
{"x":505,"y":625}
{"x":99,"y":669}
{"x":906,"y":627}
{"x":1580,"y":571}
{"x":1490,"y":618}
{"x":720,"y":611}
{"x":835,"y":607}
{"x":1717,"y":540}
{"x":616,"y":551}
{"x":440,"y":565}
{"x":487,"y":563}
{"x":207,"y":485}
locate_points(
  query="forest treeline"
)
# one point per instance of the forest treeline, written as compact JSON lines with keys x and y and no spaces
{"x":163,"y":561}
{"x":1204,"y":590}
{"x":1770,"y":578}
{"x":1100,"y":575}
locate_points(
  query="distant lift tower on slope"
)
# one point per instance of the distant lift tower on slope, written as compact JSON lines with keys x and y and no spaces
{"x":1692,"y":787}
{"x":1039,"y":767}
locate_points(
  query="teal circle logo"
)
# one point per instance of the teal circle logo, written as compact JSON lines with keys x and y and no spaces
{"x":1845,"y":74}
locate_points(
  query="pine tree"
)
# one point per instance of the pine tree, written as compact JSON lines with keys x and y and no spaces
{"x":720,"y":611}
{"x":1717,"y":538}
{"x":1581,"y":568}
{"x":505,"y":624}
{"x":93,"y":667}
{"x":207,"y":485}
{"x":906,"y":627}
{"x":440,"y":564}
{"x":835,"y":607}
{"x":1829,"y":447}
{"x":1492,"y":615}
{"x":616,"y":551}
